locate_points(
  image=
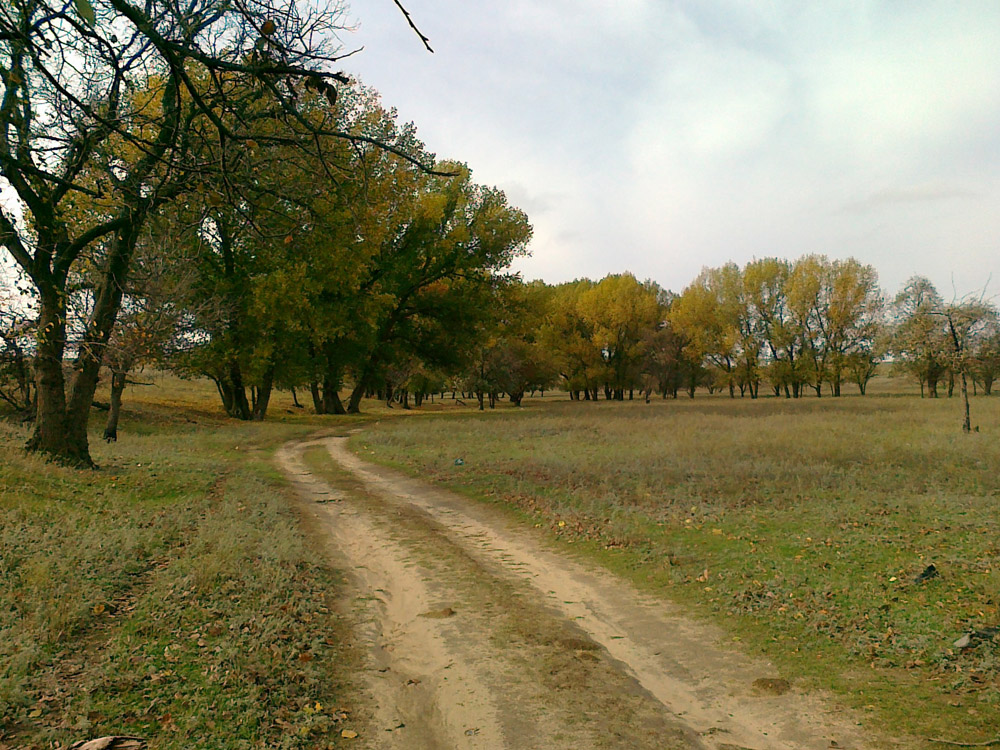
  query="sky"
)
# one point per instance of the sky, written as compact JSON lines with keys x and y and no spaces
{"x":661,"y":137}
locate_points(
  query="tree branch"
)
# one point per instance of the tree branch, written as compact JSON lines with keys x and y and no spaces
{"x":418,"y":32}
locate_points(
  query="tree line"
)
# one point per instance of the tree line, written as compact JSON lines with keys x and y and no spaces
{"x":774,"y":326}
{"x":197,"y":189}
{"x":429,"y":311}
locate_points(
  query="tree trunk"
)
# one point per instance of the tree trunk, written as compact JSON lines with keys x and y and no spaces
{"x":240,"y":406}
{"x":331,"y":398}
{"x":263,"y":396}
{"x":50,"y":434}
{"x":318,"y":404}
{"x":117,"y":389}
{"x":967,"y":423}
{"x":107,"y":302}
{"x":479,"y":397}
{"x":354,"y":403}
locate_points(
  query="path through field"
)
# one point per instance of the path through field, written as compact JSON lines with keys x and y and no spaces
{"x":480,"y":636}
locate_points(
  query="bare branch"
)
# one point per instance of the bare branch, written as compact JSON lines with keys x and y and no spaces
{"x":409,"y":20}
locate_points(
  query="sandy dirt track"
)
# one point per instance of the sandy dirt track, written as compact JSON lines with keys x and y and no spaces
{"x":480,"y":636}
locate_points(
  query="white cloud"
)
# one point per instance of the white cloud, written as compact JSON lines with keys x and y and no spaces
{"x":662,"y":137}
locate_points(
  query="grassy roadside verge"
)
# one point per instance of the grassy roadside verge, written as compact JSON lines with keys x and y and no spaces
{"x":800,"y":527}
{"x":171,"y":595}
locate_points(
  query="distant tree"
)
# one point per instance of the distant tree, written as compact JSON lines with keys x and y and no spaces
{"x":809,"y":301}
{"x":620,"y":311}
{"x":699,"y":315}
{"x":667,"y":366}
{"x":766,"y":282}
{"x":920,"y":340}
{"x":985,"y":358}
{"x":967,"y":321}
{"x":568,"y":335}
{"x":854,"y":317}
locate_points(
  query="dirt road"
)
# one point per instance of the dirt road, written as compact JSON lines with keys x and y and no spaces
{"x":480,"y":636}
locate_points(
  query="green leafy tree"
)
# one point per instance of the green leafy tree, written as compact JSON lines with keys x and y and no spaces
{"x":449,"y":246}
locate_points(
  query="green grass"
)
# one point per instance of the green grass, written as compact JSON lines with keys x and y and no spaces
{"x":798,"y":525}
{"x":173,"y":594}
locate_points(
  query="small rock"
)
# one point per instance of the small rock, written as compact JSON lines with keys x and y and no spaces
{"x":771,"y":685}
{"x":975,"y":636}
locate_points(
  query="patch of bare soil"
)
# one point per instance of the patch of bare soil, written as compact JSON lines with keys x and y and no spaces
{"x":481,"y":637}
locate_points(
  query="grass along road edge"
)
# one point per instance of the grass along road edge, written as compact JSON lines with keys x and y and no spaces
{"x":173,"y":595}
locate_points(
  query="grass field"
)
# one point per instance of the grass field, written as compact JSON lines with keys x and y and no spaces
{"x":172,"y":594}
{"x":801,"y":526}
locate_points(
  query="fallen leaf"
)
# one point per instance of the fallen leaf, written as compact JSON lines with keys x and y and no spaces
{"x":349,"y":734}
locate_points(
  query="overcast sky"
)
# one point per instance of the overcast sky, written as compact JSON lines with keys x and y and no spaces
{"x":659,"y":137}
